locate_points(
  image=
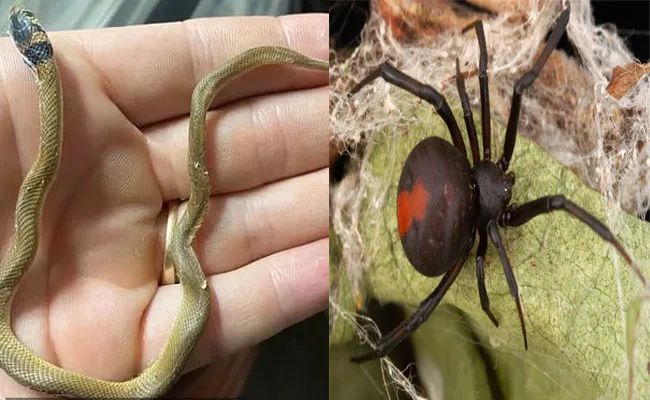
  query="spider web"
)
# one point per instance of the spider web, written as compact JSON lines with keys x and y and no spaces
{"x":569,"y":114}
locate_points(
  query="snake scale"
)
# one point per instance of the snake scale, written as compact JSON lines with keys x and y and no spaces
{"x":16,"y":359}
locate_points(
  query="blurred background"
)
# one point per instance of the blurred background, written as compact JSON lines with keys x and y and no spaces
{"x":292,"y":364}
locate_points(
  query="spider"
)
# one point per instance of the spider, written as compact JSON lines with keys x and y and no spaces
{"x":442,"y":202}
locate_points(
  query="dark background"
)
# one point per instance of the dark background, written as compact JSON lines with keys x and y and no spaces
{"x":632,"y":20}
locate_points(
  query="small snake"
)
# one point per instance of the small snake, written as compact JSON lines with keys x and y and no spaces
{"x":16,"y":359}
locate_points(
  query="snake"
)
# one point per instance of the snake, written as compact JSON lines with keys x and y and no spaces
{"x":16,"y":359}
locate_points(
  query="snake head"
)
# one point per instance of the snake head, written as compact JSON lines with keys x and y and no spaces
{"x":29,"y":37}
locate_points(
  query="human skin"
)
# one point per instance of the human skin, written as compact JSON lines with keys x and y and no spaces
{"x":91,"y":301}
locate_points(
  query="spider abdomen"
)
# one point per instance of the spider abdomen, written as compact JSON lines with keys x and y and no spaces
{"x":436,"y":205}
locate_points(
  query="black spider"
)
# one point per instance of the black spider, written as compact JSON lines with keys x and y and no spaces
{"x":442,"y":201}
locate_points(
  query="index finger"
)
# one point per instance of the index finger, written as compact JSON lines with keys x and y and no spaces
{"x":149,"y":71}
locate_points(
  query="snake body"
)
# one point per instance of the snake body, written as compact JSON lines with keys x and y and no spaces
{"x":16,"y":359}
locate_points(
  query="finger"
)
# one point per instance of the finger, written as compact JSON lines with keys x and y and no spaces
{"x":247,"y":226}
{"x":249,"y":304}
{"x":249,"y":143}
{"x":149,"y":71}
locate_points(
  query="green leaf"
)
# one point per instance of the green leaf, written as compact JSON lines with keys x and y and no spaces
{"x":354,"y":381}
{"x":340,"y":331}
{"x":459,"y":351}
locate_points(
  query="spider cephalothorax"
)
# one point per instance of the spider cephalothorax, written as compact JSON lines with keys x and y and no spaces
{"x":443,"y":202}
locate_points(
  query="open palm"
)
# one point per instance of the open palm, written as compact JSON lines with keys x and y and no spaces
{"x":91,"y":301}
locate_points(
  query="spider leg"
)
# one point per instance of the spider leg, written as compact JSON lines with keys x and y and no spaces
{"x":421,"y":90}
{"x":524,"y":82}
{"x":493,"y":231}
{"x":467,"y":114}
{"x":516,"y":216}
{"x":480,"y":277}
{"x":483,"y":85}
{"x":406,"y":328}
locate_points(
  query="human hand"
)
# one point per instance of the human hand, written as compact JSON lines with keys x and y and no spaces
{"x":91,"y":301}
